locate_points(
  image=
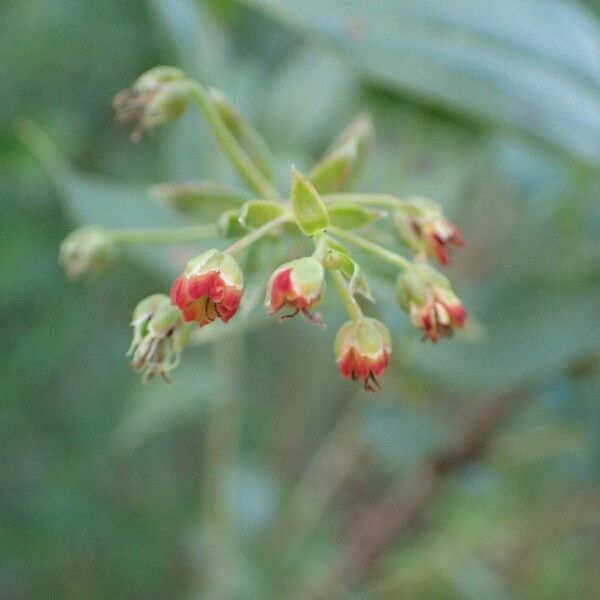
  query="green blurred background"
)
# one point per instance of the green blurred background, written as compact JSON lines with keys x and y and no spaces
{"x":110,"y":489}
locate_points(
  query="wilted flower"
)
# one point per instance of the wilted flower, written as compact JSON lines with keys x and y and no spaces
{"x":362,"y":349}
{"x":298,"y":286}
{"x":87,"y":251}
{"x":159,"y":337}
{"x":159,"y":96}
{"x":211,"y":286}
{"x":433,"y":307}
{"x":423,"y":228}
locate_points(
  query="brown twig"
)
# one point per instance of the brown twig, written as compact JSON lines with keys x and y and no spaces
{"x":379,"y":526}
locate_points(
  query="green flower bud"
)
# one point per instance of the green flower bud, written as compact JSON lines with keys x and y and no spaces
{"x":87,"y":251}
{"x":255,"y":213}
{"x":361,"y":131}
{"x":309,"y":209}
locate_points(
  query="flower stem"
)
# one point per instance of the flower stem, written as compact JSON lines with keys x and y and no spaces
{"x":256,"y":235}
{"x":241,"y":161}
{"x":163,"y":236}
{"x":386,"y":200}
{"x":347,"y":298}
{"x":372,"y":247}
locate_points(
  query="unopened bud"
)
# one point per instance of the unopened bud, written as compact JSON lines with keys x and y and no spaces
{"x":298,"y":286}
{"x":363,"y":348}
{"x":334,"y":171}
{"x":87,"y":251}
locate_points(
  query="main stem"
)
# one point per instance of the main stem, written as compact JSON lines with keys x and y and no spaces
{"x":347,"y":298}
{"x":241,"y":161}
{"x":255,"y":235}
{"x":163,"y":236}
{"x":372,"y":247}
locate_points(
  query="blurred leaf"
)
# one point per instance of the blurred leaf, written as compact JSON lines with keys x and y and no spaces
{"x":159,"y":407}
{"x":538,"y":72}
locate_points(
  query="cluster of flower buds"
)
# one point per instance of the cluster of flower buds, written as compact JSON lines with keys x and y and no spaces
{"x":421,"y":225}
{"x":159,"y":337}
{"x":211,"y":286}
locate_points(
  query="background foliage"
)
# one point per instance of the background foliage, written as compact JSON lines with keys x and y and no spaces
{"x":113,"y":490}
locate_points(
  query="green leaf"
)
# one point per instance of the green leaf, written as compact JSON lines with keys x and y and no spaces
{"x":203,"y":200}
{"x":308,"y":207}
{"x":255,"y":213}
{"x":346,"y":215}
{"x":531,"y":66}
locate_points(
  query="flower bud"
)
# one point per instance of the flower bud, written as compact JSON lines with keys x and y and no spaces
{"x":426,"y":295}
{"x":362,"y":350}
{"x":422,"y":226}
{"x":159,"y":337}
{"x":298,"y":286}
{"x":87,"y":251}
{"x":334,"y":171}
{"x":159,"y":96}
{"x":211,"y":286}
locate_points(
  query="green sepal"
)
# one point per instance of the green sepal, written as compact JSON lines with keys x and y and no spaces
{"x":229,"y":225}
{"x":309,"y":209}
{"x":201,"y":200}
{"x":335,"y":170}
{"x":347,"y":215}
{"x":337,"y":257}
{"x":361,"y":131}
{"x":255,"y":213}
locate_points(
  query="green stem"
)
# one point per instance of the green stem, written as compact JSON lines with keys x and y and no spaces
{"x":372,"y":247}
{"x":163,"y":236}
{"x":241,"y":161}
{"x":386,"y":200}
{"x":256,"y":235}
{"x":347,"y":298}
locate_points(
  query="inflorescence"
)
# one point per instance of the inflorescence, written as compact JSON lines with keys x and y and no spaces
{"x":212,"y":284}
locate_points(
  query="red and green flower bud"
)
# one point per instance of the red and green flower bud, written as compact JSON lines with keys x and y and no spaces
{"x":211,"y":286}
{"x":87,"y":251}
{"x":297,"y":286}
{"x":159,"y":96}
{"x":159,"y":337}
{"x":423,"y":228}
{"x":362,"y":349}
{"x":426,"y":295}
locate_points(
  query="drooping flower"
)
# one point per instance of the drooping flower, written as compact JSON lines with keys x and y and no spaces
{"x":87,"y":251}
{"x":159,"y":337}
{"x":211,"y":286}
{"x":423,"y":228}
{"x":298,"y":286}
{"x":427,"y":296}
{"x":362,"y":349}
{"x":159,"y":96}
